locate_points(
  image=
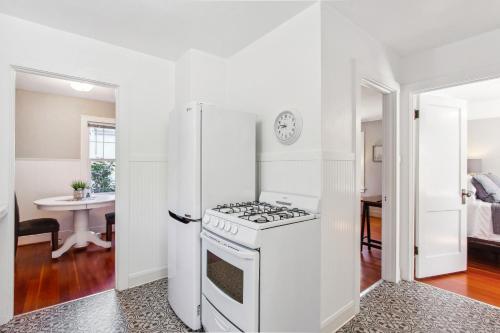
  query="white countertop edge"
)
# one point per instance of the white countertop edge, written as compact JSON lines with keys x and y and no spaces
{"x":3,"y":210}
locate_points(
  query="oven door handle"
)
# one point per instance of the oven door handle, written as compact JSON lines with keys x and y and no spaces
{"x":242,"y":254}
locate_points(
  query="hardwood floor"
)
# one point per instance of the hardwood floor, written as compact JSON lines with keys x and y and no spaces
{"x":371,"y":260}
{"x":41,"y":281}
{"x":481,"y":281}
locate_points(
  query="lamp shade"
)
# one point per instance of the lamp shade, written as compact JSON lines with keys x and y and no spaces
{"x":474,"y":165}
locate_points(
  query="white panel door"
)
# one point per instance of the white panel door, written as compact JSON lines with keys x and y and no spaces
{"x":441,"y":229}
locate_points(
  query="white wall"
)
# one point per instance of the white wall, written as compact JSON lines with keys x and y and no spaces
{"x":370,"y":104}
{"x":481,"y":109}
{"x":201,"y":77}
{"x":470,"y":55}
{"x":49,"y":126}
{"x":373,"y":170}
{"x":344,"y":46}
{"x":145,"y":97}
{"x":277,"y":72}
{"x":464,"y":61}
{"x":484,"y":143}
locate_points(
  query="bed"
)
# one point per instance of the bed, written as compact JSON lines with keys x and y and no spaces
{"x":480,"y":226}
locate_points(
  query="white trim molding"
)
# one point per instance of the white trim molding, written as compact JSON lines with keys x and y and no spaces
{"x":339,"y":319}
{"x":139,"y":278}
{"x":329,"y":155}
{"x":390,"y":176}
{"x":305,"y":155}
{"x":4,"y":209}
{"x":309,"y":155}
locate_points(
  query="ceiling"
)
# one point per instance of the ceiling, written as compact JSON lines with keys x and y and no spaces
{"x":409,"y":26}
{"x":163,"y":28}
{"x":50,"y":85}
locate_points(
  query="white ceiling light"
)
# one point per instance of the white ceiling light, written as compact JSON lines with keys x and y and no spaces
{"x":79,"y":86}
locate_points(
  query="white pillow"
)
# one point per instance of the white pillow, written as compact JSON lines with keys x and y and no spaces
{"x":489,"y":186}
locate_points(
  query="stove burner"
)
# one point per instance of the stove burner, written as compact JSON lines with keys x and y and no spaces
{"x":260,"y":212}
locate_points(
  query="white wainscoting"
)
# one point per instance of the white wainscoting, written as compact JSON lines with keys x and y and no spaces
{"x":42,"y":178}
{"x":148,"y":221}
{"x":339,"y":280}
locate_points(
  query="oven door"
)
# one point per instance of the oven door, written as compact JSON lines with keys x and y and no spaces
{"x":230,"y":280}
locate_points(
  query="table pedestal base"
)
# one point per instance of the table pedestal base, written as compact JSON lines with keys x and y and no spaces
{"x":82,"y":235}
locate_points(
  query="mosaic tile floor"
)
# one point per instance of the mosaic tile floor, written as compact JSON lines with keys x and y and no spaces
{"x":140,"y":309}
{"x":417,"y":307}
{"x":404,"y":307}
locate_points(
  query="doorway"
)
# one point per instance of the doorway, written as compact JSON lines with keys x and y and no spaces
{"x":65,"y":132}
{"x":457,"y":162}
{"x":371,"y":151}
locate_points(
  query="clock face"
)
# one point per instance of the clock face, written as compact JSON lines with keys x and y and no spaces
{"x":287,"y":127}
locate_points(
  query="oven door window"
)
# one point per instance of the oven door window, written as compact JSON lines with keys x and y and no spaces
{"x":225,"y":276}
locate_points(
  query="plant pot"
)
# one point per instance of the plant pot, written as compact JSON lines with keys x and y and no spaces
{"x":78,"y":194}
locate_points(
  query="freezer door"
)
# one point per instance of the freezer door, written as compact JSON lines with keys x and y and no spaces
{"x":184,"y":165}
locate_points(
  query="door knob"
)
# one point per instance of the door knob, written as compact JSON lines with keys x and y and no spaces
{"x":465,"y":194}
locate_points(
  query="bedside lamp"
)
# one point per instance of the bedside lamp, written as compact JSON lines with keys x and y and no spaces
{"x":474,"y":166}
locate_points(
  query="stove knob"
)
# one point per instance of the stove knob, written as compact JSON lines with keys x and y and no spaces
{"x":215,"y":221}
{"x":234,"y":229}
{"x":227,"y":227}
{"x":206,"y":219}
{"x":221,"y":225}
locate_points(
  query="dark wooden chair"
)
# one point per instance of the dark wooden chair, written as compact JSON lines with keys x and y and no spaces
{"x":373,"y":201}
{"x":35,"y":227}
{"x":110,"y":220}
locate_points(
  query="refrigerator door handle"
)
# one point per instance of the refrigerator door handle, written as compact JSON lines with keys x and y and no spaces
{"x":181,"y":219}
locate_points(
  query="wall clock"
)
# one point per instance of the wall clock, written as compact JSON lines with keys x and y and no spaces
{"x":288,"y":126}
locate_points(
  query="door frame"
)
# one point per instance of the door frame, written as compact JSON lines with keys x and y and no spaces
{"x":409,"y":103}
{"x":121,"y":237}
{"x":390,"y":171}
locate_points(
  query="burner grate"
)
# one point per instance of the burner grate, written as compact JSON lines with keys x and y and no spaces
{"x":260,"y":212}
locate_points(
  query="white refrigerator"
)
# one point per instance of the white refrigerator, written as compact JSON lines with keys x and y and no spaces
{"x":211,"y":161}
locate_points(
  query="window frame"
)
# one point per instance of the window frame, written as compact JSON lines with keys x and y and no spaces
{"x":84,"y":143}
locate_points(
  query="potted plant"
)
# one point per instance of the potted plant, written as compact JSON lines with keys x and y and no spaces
{"x":79,"y":187}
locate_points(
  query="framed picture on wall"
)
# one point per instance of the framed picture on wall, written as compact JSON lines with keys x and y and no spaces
{"x":378,"y":152}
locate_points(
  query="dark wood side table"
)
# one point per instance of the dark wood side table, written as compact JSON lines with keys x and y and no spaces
{"x":367,"y":202}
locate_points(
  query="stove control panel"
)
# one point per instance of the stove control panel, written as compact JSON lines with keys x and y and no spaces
{"x":224,"y":226}
{"x":220,"y":223}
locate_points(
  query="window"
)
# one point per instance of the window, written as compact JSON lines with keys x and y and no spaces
{"x":101,"y":155}
{"x":225,"y":276}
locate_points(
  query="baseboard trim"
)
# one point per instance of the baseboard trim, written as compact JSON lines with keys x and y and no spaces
{"x":5,"y":318}
{"x":143,"y":277}
{"x":339,"y":318}
{"x":370,"y":288}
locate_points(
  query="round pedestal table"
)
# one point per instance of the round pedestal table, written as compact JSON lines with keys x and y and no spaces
{"x":80,"y":208}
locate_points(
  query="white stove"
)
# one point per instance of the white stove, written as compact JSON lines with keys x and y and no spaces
{"x":260,"y":265}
